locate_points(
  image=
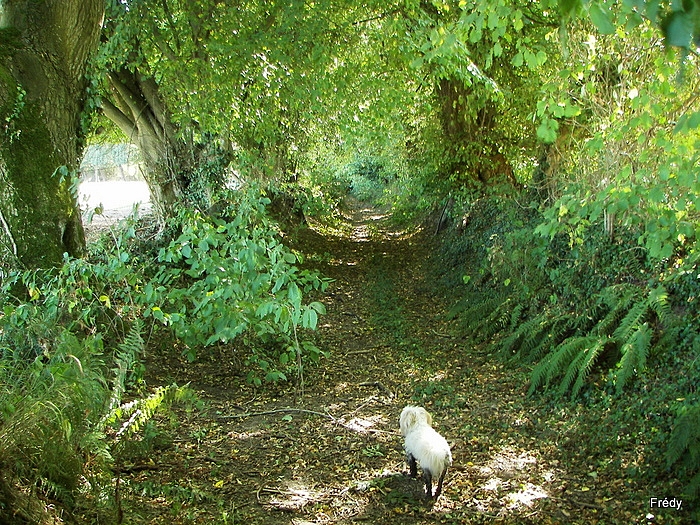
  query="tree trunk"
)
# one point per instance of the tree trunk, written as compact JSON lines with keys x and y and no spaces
{"x":470,"y":138}
{"x":176,"y":169}
{"x":44,"y":49}
{"x":137,"y":109}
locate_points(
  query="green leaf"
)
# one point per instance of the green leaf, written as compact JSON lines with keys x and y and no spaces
{"x":657,"y":194}
{"x":294,"y":294}
{"x":688,"y":122}
{"x":547,"y":130}
{"x":158,"y":314}
{"x":601,"y":19}
{"x":568,"y":7}
{"x":309,"y":319}
{"x":319,"y":307}
{"x":517,"y":19}
{"x":678,"y":29}
{"x":497,"y":49}
{"x":417,"y":63}
{"x":279,"y":283}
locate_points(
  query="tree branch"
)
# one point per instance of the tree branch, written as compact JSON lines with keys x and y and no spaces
{"x":125,"y":97}
{"x":114,"y":114}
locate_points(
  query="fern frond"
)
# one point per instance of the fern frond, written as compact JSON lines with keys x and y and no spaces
{"x":513,"y":342}
{"x":126,"y":357}
{"x":617,"y":307}
{"x":692,"y":490}
{"x":572,"y":361}
{"x":458,"y":308}
{"x":632,"y":320}
{"x":573,"y":370}
{"x":634,"y":355}
{"x":590,"y":356}
{"x":473,"y":317}
{"x":618,"y":296}
{"x":515,"y":315}
{"x":685,"y":437}
{"x":534,"y":335}
{"x":141,"y":410}
{"x":496,"y":321}
{"x":557,"y":331}
{"x":659,"y":302}
{"x":559,"y":362}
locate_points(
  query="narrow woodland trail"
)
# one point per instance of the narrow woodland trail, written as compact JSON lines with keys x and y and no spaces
{"x":332,"y":453}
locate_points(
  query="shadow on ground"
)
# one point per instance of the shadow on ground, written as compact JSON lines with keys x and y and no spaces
{"x":331,"y":452}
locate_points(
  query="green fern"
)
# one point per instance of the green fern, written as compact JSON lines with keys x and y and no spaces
{"x":660,"y":304}
{"x":631,"y":322}
{"x":572,"y":360}
{"x":477,"y":315}
{"x":515,"y":316}
{"x":514,"y":341}
{"x":684,"y":446}
{"x":459,"y":307}
{"x":614,"y":302}
{"x":634,"y":334}
{"x":536,"y":337}
{"x":589,"y":358}
{"x":54,"y":403}
{"x":130,"y":417}
{"x":634,"y":355}
{"x":624,"y":319}
{"x":127,"y":355}
{"x":551,"y":335}
{"x":133,"y":415}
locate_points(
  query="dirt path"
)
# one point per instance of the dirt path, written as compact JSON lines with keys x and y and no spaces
{"x":332,"y":454}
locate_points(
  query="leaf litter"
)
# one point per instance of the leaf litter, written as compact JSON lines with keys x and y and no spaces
{"x":332,"y":453}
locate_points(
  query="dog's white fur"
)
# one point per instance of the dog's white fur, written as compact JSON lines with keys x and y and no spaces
{"x":424,"y":444}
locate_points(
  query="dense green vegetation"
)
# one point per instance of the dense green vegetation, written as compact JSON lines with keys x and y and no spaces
{"x":557,"y":141}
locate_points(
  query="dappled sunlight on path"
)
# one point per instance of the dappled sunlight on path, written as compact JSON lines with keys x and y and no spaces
{"x":331,"y":452}
{"x":363,"y":222}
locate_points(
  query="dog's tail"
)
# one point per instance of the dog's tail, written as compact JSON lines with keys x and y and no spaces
{"x":437,"y":461}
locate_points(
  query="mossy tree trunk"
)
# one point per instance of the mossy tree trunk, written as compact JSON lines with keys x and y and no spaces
{"x":45,"y":46}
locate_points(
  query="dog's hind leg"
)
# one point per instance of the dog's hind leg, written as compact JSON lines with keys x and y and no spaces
{"x":412,"y":466}
{"x":438,"y":490}
{"x":428,"y":478}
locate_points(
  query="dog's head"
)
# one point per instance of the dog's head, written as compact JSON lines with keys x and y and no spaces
{"x":412,"y":417}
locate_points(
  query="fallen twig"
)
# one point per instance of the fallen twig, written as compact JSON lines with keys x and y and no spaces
{"x":584,"y":504}
{"x":378,"y":385}
{"x":579,"y":503}
{"x":278,"y":411}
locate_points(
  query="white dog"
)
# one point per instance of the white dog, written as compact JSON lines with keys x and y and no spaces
{"x":424,"y":444}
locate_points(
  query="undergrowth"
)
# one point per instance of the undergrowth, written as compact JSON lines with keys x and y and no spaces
{"x":73,"y":402}
{"x":585,"y":314}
